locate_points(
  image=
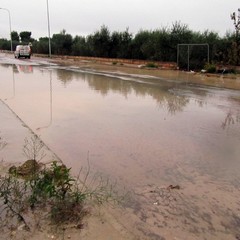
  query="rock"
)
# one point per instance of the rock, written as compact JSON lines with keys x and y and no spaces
{"x":29,"y":167}
{"x":173,"y":187}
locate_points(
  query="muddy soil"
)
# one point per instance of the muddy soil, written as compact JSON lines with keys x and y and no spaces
{"x":201,"y":207}
{"x":230,"y":81}
{"x":98,"y":224}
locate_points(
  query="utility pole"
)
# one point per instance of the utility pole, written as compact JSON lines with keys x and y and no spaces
{"x":49,"y":35}
{"x":9,"y":17}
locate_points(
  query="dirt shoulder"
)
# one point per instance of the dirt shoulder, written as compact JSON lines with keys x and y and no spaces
{"x":165,"y":70}
{"x":106,"y":222}
{"x":99,"y":224}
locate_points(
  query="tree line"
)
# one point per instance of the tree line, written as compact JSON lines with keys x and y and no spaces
{"x":153,"y":45}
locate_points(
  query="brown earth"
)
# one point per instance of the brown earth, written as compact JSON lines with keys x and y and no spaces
{"x":99,"y":224}
{"x":166,"y":70}
{"x":106,"y":222}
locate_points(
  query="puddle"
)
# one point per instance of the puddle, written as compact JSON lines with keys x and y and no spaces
{"x":146,"y":133}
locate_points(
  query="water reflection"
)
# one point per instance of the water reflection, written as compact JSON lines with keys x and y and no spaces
{"x":13,"y":83}
{"x":65,"y":76}
{"x":15,"y":69}
{"x":201,"y":103}
{"x":19,"y":68}
{"x":159,"y":90}
{"x":25,"y":68}
{"x":116,"y":121}
{"x":50,"y":103}
{"x":231,"y":119}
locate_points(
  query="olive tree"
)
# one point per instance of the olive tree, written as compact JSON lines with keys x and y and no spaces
{"x":235,"y":51}
{"x":25,"y":37}
{"x":62,"y":43}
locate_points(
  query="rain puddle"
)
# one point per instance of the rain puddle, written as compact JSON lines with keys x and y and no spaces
{"x":173,"y":144}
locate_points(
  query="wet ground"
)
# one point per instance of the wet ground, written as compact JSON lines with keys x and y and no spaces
{"x":146,"y":130}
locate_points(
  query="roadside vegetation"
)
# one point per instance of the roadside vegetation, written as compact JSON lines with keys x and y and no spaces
{"x":152,"y":45}
{"x":49,"y":191}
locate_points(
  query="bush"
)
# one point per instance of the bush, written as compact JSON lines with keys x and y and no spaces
{"x":151,"y":65}
{"x":54,"y":189}
{"x":38,"y":189}
{"x":210,"y":68}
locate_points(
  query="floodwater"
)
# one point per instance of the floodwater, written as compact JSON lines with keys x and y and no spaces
{"x":145,"y":132}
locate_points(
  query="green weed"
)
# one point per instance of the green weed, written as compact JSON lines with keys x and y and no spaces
{"x":151,"y":65}
{"x":52,"y":188}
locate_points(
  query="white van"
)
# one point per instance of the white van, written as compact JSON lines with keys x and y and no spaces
{"x":22,"y":51}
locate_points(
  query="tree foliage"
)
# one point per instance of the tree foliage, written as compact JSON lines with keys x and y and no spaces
{"x":153,"y":45}
{"x":62,"y":43}
{"x":15,"y":36}
{"x":25,"y":36}
{"x":80,"y":47}
{"x":235,"y":48}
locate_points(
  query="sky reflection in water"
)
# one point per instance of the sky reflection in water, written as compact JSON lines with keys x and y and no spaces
{"x":130,"y":127}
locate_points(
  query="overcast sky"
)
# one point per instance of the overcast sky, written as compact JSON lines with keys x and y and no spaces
{"x":83,"y":17}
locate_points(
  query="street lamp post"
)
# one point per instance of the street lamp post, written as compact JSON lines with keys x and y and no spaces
{"x":9,"y":16}
{"x":49,"y":37}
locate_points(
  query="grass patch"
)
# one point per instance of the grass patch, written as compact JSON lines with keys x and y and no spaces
{"x":50,"y":190}
{"x":210,"y":68}
{"x":151,"y":65}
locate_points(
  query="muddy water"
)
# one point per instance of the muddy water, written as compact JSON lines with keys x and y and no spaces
{"x":146,"y":132}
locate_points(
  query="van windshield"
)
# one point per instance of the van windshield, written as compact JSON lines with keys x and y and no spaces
{"x":22,"y":47}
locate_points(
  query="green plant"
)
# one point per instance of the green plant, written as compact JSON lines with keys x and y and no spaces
{"x":63,"y":197}
{"x":52,"y":187}
{"x":151,"y":65}
{"x":11,"y":197}
{"x":32,"y":187}
{"x":54,"y":184}
{"x":210,"y":68}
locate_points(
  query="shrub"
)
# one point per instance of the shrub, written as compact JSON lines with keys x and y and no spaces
{"x":53,"y":188}
{"x":210,"y":68}
{"x":33,"y":186}
{"x":151,"y":65}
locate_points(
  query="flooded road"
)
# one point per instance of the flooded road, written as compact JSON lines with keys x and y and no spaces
{"x":147,"y":133}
